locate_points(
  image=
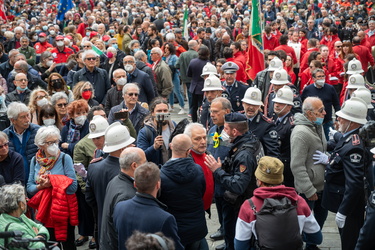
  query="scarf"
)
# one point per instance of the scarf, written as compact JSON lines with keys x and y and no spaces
{"x":74,"y":133}
{"x":45,"y":163}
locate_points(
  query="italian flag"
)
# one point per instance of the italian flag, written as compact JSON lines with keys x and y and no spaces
{"x":255,"y":61}
{"x":97,"y":50}
{"x":185,"y":28}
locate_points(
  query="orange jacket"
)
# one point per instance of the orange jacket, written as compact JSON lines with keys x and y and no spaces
{"x":56,"y":208}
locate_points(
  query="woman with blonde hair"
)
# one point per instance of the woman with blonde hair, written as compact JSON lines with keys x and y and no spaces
{"x":38,"y":98}
{"x":85,"y":90}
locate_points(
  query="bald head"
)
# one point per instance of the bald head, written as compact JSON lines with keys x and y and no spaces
{"x":181,"y":145}
{"x":192,"y":44}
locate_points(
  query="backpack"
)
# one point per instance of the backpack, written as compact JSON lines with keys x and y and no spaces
{"x":277,"y":225}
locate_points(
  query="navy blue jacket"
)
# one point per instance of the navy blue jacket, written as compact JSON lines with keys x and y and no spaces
{"x":64,"y":136}
{"x":146,"y":214}
{"x":236,"y":95}
{"x":182,"y":189}
{"x":144,"y":83}
{"x":194,"y":71}
{"x":12,"y":168}
{"x":27,"y":149}
{"x":366,"y":235}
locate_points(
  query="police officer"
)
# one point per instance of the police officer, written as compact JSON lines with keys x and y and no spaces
{"x":236,"y":173}
{"x":234,"y":90}
{"x":344,"y":192}
{"x":260,"y":125}
{"x":280,"y":79}
{"x":365,"y":94}
{"x":211,"y":89}
{"x":283,"y":105}
{"x":366,"y":235}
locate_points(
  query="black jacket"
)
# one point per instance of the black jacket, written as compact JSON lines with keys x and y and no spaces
{"x":5,"y":69}
{"x":144,"y":83}
{"x":236,"y":94}
{"x":15,"y":97}
{"x":34,"y":82}
{"x":113,"y":98}
{"x":142,"y":66}
{"x":119,"y":189}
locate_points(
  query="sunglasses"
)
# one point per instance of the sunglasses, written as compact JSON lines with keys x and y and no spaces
{"x":91,"y":58}
{"x":87,"y":46}
{"x":4,"y":145}
{"x":338,"y":46}
{"x":60,"y":105}
{"x":132,"y":94}
{"x":86,"y":90}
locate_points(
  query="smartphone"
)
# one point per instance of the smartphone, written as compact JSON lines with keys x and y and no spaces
{"x":122,"y":115}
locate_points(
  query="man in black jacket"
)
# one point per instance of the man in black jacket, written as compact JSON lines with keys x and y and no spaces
{"x":119,"y":189}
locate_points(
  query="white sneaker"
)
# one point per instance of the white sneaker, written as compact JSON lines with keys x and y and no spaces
{"x":170,"y":108}
{"x":182,"y":112}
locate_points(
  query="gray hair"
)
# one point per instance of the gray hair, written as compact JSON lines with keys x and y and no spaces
{"x":118,"y":70}
{"x":224,"y":101}
{"x":3,"y":136}
{"x":10,"y":196}
{"x":157,"y":50}
{"x":127,"y":86}
{"x":24,"y":38}
{"x":139,"y":55}
{"x":127,"y":159}
{"x":170,"y":37}
{"x":113,"y":50}
{"x":191,"y":126}
{"x":112,"y":39}
{"x":89,"y":52}
{"x":308,"y":104}
{"x":132,"y":57}
{"x":18,"y":29}
{"x":45,"y":132}
{"x":15,"y":108}
{"x":57,"y":96}
{"x":45,"y":55}
{"x":316,"y":71}
{"x":132,"y":42}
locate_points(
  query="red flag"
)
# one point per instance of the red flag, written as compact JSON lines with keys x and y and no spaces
{"x":255,"y":61}
{"x":2,"y":11}
{"x":92,"y":4}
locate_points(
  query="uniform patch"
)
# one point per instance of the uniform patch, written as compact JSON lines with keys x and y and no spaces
{"x":277,"y":76}
{"x":254,"y":95}
{"x":355,"y":158}
{"x":273,"y":134}
{"x":297,"y":104}
{"x":352,"y":80}
{"x":355,"y":140}
{"x":354,"y":66}
{"x":279,"y":94}
{"x":208,"y":82}
{"x":92,"y":127}
{"x":242,"y":168}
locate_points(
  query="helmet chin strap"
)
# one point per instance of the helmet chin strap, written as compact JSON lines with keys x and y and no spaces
{"x":277,"y":113}
{"x":346,"y":130}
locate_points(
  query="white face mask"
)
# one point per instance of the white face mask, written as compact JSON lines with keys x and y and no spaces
{"x":52,"y":32}
{"x":128,"y":68}
{"x":49,"y":63}
{"x":319,"y":82}
{"x":49,"y":122}
{"x":42,"y":102}
{"x":42,"y":40}
{"x":80,"y":120}
{"x":35,"y":37}
{"x":53,"y":149}
{"x":60,"y":43}
{"x":122,"y":81}
{"x":224,"y":136}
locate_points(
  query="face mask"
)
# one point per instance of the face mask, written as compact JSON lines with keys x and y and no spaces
{"x":122,"y":81}
{"x":58,"y":85}
{"x":42,"y":40}
{"x":71,"y":44}
{"x":115,"y":45}
{"x":49,"y":63}
{"x":53,"y":149}
{"x":319,"y":121}
{"x":319,"y":82}
{"x":37,"y":31}
{"x":109,"y":54}
{"x":80,"y":120}
{"x":1,"y":99}
{"x":86,"y":95}
{"x":88,"y":33}
{"x":35,"y":37}
{"x":128,"y":68}
{"x":60,"y":43}
{"x":111,"y":31}
{"x":136,"y":50}
{"x":52,"y":32}
{"x":21,"y":89}
{"x":168,"y":27}
{"x":337,"y":23}
{"x":49,"y":122}
{"x":45,"y":28}
{"x":42,"y":102}
{"x":224,"y":136}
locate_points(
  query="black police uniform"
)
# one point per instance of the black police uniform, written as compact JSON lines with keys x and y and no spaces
{"x":366,"y":235}
{"x":344,"y":190}
{"x":297,"y":107}
{"x":235,"y":94}
{"x":284,"y":130}
{"x":205,"y":118}
{"x":265,"y":129}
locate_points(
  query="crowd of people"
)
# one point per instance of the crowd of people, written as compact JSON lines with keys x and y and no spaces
{"x":87,"y":139}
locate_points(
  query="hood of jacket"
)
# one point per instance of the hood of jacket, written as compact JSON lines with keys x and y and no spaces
{"x":181,"y":170}
{"x":277,"y":192}
{"x":300,"y":119}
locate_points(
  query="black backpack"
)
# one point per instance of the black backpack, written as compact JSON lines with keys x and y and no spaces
{"x":277,"y":225}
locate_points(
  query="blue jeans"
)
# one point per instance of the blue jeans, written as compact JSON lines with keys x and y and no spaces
{"x":189,"y":95}
{"x":198,"y":245}
{"x":176,"y":90}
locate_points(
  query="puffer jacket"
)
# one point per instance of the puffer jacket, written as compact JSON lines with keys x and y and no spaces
{"x":56,"y":208}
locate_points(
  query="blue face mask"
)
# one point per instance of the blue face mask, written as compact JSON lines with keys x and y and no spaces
{"x":1,"y":99}
{"x":88,"y":33}
{"x":45,"y":28}
{"x":136,"y":50}
{"x":115,"y":45}
{"x":319,"y":121}
{"x":21,"y":89}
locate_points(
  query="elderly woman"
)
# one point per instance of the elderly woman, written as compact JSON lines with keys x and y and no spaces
{"x":38,"y":98}
{"x":77,"y":127}
{"x":52,"y":169}
{"x":11,"y":162}
{"x":111,"y":63}
{"x":59,"y":101}
{"x":46,"y":65}
{"x":12,"y":208}
{"x":48,"y":116}
{"x":84,"y":90}
{"x":56,"y":83}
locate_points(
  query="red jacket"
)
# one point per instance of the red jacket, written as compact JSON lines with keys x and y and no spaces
{"x":304,"y":61}
{"x":241,"y":74}
{"x":56,"y":208}
{"x":288,"y":50}
{"x":61,"y":57}
{"x":271,"y":43}
{"x":370,"y":39}
{"x":330,"y":41}
{"x":364,"y":55}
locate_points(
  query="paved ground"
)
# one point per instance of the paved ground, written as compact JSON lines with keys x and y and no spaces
{"x":331,"y":238}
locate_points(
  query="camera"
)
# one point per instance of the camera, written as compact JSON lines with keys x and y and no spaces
{"x":121,"y":115}
{"x":161,"y":119}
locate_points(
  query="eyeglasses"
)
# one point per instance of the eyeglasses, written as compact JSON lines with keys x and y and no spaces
{"x":40,"y":97}
{"x":87,"y":46}
{"x":338,"y":46}
{"x":60,"y":105}
{"x":17,"y":69}
{"x":130,"y":62}
{"x":153,"y":53}
{"x":91,"y":58}
{"x":321,"y":76}
{"x":321,"y":110}
{"x":311,"y":67}
{"x":4,"y":145}
{"x":90,"y":89}
{"x":132,"y":94}
{"x":49,"y":143}
{"x":22,"y":80}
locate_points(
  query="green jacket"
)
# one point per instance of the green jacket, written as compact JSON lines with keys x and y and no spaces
{"x":24,"y":225}
{"x":30,"y":55}
{"x":183,"y":63}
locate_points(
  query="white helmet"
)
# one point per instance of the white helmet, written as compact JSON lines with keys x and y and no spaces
{"x":364,"y":94}
{"x":208,"y":69}
{"x":354,"y":67}
{"x":253,"y":96}
{"x":97,"y":127}
{"x":284,"y":95}
{"x":280,"y":77}
{"x":355,"y":81}
{"x":212,"y":83}
{"x":275,"y":64}
{"x":116,"y":137}
{"x":354,"y":109}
